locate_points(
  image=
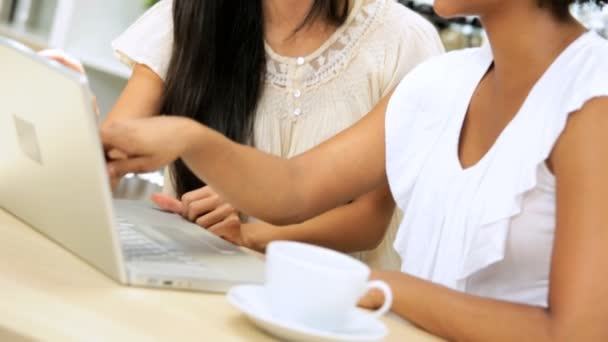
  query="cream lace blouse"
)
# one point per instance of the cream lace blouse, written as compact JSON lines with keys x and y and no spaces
{"x":308,"y":99}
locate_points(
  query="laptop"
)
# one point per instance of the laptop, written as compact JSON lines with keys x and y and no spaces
{"x":53,"y":177}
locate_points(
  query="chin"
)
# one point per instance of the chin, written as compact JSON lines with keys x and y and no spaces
{"x":460,"y":8}
{"x":447,"y":8}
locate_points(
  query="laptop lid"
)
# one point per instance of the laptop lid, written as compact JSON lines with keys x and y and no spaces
{"x":52,"y":167}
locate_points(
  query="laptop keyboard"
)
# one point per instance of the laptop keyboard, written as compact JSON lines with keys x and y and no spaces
{"x":137,"y":246}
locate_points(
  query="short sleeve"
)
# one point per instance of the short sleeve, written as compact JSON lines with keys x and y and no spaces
{"x":149,"y":41}
{"x":418,"y":41}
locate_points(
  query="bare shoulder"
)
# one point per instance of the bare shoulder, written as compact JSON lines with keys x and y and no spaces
{"x":585,"y":138}
{"x":595,"y":109}
{"x":591,"y":118}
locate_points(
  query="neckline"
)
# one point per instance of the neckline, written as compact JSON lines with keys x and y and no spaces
{"x":484,"y":69}
{"x":355,"y":7}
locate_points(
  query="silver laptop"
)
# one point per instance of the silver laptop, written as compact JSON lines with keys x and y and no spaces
{"x":53,"y":177}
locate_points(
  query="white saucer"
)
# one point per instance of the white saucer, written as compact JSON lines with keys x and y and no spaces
{"x":250,"y":299}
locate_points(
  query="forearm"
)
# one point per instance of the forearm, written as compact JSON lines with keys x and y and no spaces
{"x":260,"y":185}
{"x":291,"y":191}
{"x":247,"y":178}
{"x":357,"y":226}
{"x":460,"y":317}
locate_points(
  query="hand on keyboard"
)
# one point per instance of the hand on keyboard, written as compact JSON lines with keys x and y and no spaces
{"x":203,"y":207}
{"x":255,"y":236}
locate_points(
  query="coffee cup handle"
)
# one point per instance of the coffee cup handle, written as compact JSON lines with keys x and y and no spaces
{"x":388,"y":296}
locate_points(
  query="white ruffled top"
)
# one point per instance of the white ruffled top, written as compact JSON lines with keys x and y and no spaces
{"x":486,"y":230}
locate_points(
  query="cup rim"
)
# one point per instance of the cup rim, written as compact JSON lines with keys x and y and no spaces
{"x":358,"y":266}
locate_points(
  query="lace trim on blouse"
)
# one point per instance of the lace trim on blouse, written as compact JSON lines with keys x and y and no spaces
{"x":331,"y":58}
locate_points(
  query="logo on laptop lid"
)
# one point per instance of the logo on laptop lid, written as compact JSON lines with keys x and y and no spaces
{"x":28,"y":139}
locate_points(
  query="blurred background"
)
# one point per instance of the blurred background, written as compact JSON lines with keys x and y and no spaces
{"x":85,"y":28}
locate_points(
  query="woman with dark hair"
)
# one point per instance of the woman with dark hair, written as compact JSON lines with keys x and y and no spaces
{"x":497,"y":155}
{"x":282,"y":76}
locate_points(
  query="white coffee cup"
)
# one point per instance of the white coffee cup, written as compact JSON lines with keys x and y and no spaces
{"x":315,"y":286}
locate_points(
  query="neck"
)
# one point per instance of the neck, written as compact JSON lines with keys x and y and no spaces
{"x":525,"y":41}
{"x":287,"y":14}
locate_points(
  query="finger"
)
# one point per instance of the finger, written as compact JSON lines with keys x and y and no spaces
{"x":167,"y":203}
{"x":95,"y":106}
{"x":193,"y":196}
{"x":71,"y":63}
{"x":114,"y":182}
{"x":372,"y":300}
{"x":229,"y":229}
{"x":115,"y":154}
{"x":366,"y":303}
{"x":197,"y":195}
{"x":253,"y":236}
{"x":230,"y":222}
{"x":64,"y":62}
{"x":62,"y":58}
{"x":218,"y":215}
{"x":117,"y":168}
{"x":201,"y":207}
{"x":117,"y":135}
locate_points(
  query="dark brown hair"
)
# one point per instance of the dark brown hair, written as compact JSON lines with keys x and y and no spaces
{"x":218,"y":65}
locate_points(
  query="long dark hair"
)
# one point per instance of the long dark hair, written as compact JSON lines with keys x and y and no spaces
{"x":217,"y":69}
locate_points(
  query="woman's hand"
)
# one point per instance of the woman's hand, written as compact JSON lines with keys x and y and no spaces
{"x":203,"y":206}
{"x":75,"y":65}
{"x":62,"y":58}
{"x":374,"y":299}
{"x":255,"y":236}
{"x":70,"y":63}
{"x":148,"y":144}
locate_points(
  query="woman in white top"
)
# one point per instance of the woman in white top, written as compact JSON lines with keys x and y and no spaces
{"x":283,"y":76}
{"x":498,"y":157}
